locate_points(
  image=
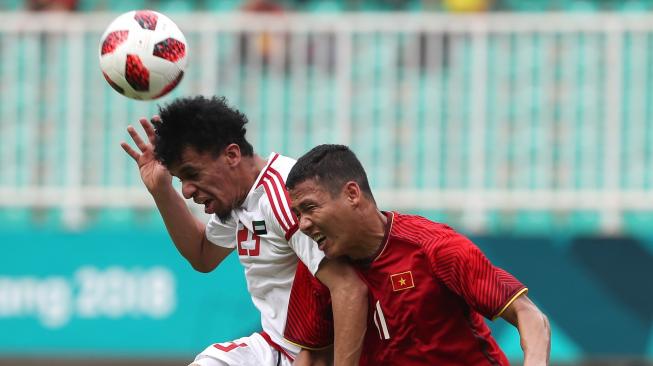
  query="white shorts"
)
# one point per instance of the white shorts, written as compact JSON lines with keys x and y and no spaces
{"x":254,"y":350}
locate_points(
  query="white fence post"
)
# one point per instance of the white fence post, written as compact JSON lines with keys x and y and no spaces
{"x":611,"y":210}
{"x":72,"y":203}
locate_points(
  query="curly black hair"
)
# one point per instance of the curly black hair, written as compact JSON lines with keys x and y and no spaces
{"x":206,"y":125}
{"x":331,"y":166}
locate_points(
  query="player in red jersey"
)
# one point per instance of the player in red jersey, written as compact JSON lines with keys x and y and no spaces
{"x":429,"y":287}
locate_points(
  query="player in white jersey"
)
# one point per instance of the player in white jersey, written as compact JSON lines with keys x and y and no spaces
{"x":202,"y":142}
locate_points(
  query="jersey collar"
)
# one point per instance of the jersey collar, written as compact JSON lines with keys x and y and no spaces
{"x":384,"y":243}
{"x":271,"y":158}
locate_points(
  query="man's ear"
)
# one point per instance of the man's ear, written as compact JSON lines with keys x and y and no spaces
{"x":232,"y":154}
{"x":352,"y":192}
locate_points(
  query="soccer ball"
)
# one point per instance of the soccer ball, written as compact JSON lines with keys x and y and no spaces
{"x":143,"y":54}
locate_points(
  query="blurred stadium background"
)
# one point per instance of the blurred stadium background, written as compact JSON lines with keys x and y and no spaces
{"x":527,"y":124}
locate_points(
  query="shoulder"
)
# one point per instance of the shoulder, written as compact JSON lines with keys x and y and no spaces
{"x":276,"y":199}
{"x":437,"y":240}
{"x":420,"y":230}
{"x":278,"y":166}
{"x":275,"y":172}
{"x":282,"y":165}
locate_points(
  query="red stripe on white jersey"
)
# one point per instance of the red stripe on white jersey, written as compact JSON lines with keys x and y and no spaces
{"x":290,"y":232}
{"x":276,"y":198}
{"x":282,"y":196}
{"x":229,"y":347}
{"x":259,"y":181}
{"x":275,"y":210}
{"x":276,"y":346}
{"x":275,"y":188}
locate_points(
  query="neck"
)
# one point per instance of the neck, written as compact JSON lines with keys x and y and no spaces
{"x":372,"y":229}
{"x":258,"y":163}
{"x":251,"y":168}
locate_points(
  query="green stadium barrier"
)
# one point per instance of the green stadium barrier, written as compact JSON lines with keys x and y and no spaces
{"x":114,"y":293}
{"x":126,"y":292}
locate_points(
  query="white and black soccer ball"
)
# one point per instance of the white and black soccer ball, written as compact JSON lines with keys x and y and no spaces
{"x":143,"y":54}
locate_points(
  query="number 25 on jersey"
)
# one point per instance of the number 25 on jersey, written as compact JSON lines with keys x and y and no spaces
{"x":248,"y":243}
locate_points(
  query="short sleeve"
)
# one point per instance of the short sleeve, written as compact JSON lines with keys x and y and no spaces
{"x":304,"y":247}
{"x":221,"y":233}
{"x":307,"y":250}
{"x":465,"y":270}
{"x":310,"y":319}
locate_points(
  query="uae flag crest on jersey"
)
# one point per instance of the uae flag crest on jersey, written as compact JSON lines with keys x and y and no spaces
{"x":259,"y":227}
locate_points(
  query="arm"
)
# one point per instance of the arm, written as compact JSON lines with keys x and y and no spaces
{"x":349,"y":301}
{"x":314,"y":357}
{"x":186,"y":231}
{"x":534,"y":330}
{"x":492,"y":292}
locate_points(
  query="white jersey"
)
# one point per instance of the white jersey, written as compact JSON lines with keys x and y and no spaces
{"x":263,"y":230}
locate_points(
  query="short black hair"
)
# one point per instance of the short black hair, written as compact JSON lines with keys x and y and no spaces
{"x":332,"y":166}
{"x":206,"y":125}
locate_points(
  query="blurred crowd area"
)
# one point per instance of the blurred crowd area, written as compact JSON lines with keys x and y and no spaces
{"x":330,"y":5}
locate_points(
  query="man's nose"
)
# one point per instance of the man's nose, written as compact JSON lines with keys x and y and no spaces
{"x":187,"y":190}
{"x":305,"y":224}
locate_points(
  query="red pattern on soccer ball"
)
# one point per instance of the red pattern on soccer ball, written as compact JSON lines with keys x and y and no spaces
{"x":113,"y":40}
{"x":170,"y":49}
{"x":115,"y":86}
{"x":147,"y":19}
{"x":136,"y":74}
{"x":171,"y":85}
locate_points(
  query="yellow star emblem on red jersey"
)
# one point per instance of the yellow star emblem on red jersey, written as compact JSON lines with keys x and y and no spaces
{"x":402,"y":281}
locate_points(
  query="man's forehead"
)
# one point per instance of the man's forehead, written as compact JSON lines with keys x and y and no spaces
{"x":180,"y":164}
{"x":306,"y":188}
{"x":188,"y":160}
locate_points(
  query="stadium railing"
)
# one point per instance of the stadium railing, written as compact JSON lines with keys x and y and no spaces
{"x":480,"y":117}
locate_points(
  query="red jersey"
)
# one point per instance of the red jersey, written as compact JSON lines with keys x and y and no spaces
{"x":429,"y":289}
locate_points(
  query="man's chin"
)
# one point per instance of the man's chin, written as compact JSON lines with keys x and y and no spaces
{"x":223,"y":216}
{"x":329,"y":253}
